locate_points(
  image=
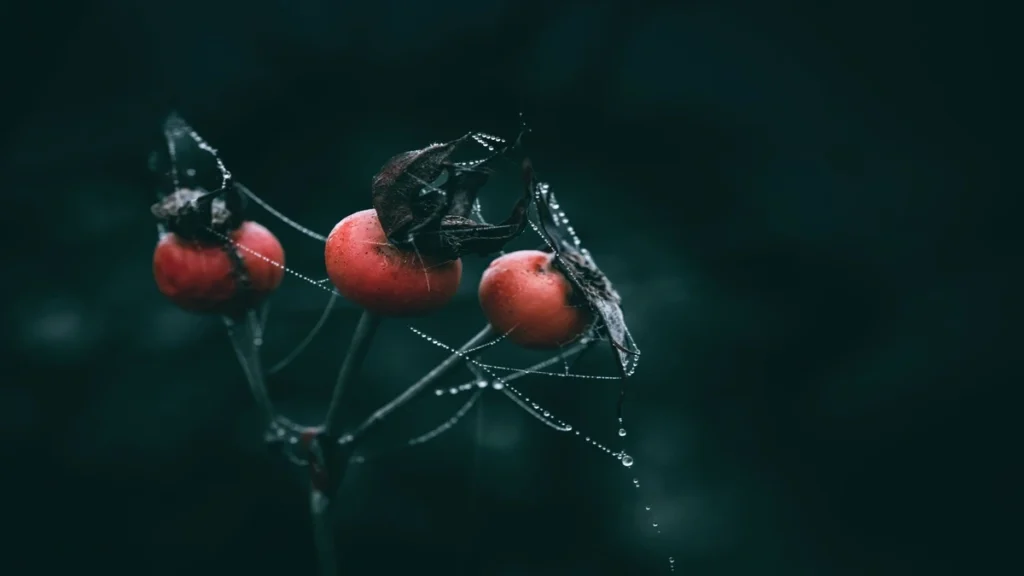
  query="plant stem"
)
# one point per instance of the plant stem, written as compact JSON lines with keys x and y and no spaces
{"x":319,"y":506}
{"x":357,"y":350}
{"x":437,"y":373}
{"x":246,"y":338}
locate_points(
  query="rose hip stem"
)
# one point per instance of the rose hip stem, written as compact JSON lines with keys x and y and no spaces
{"x":357,"y":350}
{"x":323,"y":536}
{"x":319,"y":503}
{"x":246,"y":338}
{"x":442,"y":369}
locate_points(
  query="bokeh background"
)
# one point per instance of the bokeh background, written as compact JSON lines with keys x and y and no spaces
{"x":797,"y":202}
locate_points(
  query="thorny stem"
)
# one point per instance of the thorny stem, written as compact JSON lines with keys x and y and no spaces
{"x":357,"y":350}
{"x":322,"y":533}
{"x":246,"y":338}
{"x":437,"y":373}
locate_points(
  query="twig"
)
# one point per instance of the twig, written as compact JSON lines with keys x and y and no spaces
{"x":322,"y":533}
{"x":357,"y":351}
{"x":309,"y":337}
{"x":246,"y":338}
{"x":437,"y":373}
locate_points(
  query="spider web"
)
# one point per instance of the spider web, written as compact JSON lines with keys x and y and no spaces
{"x":487,"y":378}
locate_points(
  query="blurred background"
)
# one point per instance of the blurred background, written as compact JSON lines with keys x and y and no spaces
{"x":797,"y":203}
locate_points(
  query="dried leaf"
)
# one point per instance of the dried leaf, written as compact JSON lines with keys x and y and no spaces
{"x":192,"y":182}
{"x":591,"y":284}
{"x":425,"y":201}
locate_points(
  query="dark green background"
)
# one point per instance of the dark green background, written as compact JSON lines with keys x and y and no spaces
{"x":798,"y":204}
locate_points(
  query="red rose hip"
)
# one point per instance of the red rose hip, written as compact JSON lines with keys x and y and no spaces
{"x":203,"y":277}
{"x":524,"y":295}
{"x":369,"y":271}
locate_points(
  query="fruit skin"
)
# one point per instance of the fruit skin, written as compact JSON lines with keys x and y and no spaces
{"x":524,"y":295}
{"x":381,"y":278}
{"x":200,"y":276}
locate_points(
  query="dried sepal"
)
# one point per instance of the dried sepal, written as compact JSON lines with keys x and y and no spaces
{"x":426,"y":202}
{"x":196,"y":193}
{"x":591,"y":285}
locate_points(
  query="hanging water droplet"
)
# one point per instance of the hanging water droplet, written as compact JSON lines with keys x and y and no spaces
{"x":453,"y":391}
{"x":627,"y":460}
{"x":438,"y":392}
{"x":636,"y":482}
{"x":498,"y":385}
{"x":481,"y":383}
{"x":648,"y":508}
{"x":622,"y":431}
{"x":655,"y":524}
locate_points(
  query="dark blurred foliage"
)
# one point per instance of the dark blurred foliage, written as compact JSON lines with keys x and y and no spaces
{"x":799,"y":205}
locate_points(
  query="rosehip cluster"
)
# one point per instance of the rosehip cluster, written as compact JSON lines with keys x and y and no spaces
{"x":400,"y":258}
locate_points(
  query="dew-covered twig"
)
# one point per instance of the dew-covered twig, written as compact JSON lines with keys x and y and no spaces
{"x":422,"y":384}
{"x":427,"y":436}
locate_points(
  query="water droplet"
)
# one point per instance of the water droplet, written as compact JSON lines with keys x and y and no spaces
{"x":655,"y":524}
{"x":438,"y":392}
{"x":648,"y":508}
{"x":453,"y":391}
{"x":481,"y":383}
{"x":498,"y":385}
{"x":636,"y":482}
{"x":622,"y":431}
{"x":627,"y":460}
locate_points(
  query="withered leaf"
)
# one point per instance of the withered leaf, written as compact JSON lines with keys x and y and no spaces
{"x":196,"y":191}
{"x":587,"y":279}
{"x":425,"y":201}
